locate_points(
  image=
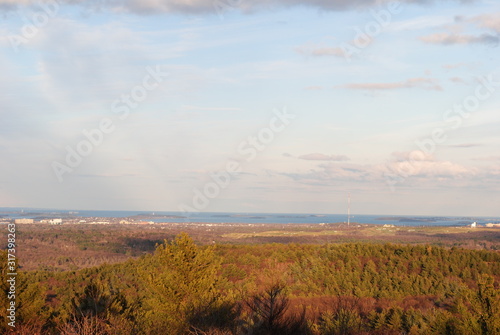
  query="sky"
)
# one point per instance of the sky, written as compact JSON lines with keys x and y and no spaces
{"x":251,"y":106}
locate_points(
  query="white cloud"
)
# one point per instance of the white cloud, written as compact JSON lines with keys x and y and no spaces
{"x":419,"y":164}
{"x":409,"y":168}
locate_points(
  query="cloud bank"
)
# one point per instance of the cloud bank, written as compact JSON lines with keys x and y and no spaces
{"x":211,"y":6}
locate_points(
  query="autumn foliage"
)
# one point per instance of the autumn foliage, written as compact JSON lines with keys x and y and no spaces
{"x":283,"y":289}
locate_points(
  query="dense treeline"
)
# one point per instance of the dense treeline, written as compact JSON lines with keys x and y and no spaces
{"x":182,"y":288}
{"x":73,"y":247}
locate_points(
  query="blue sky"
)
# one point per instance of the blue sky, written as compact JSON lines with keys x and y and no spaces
{"x":396,"y":103}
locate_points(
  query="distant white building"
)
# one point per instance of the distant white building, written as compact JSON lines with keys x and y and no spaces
{"x":473,"y":225}
{"x":55,"y":221}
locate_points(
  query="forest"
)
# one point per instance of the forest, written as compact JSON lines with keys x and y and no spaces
{"x":268,"y":288}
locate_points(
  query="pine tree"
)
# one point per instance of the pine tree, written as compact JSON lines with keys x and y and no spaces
{"x":488,"y":298}
{"x":183,"y":281}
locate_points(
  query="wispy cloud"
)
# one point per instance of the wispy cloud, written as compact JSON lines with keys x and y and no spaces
{"x":320,"y":51}
{"x":488,"y":158}
{"x":332,"y":173}
{"x":107,"y":175}
{"x":313,"y":88}
{"x":206,"y":108}
{"x":456,"y":66}
{"x":465,"y":145}
{"x":489,"y":21}
{"x":424,"y":83}
{"x":422,"y":22}
{"x":457,"y":80}
{"x":323,"y":157}
{"x":454,"y":38}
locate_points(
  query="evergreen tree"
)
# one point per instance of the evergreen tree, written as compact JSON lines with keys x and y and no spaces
{"x":184,"y":284}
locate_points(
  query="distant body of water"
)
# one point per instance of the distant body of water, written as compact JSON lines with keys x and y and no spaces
{"x":283,"y":218}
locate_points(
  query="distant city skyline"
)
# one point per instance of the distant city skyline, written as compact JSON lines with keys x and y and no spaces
{"x":251,"y":106}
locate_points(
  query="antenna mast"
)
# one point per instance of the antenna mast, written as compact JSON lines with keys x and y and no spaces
{"x":348,"y":209}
